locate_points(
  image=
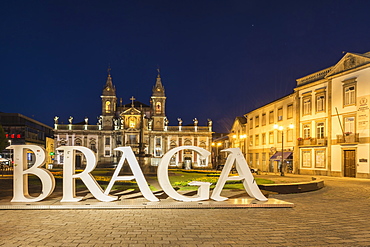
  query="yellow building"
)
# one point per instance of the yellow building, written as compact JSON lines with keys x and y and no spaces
{"x":269,"y":130}
{"x":323,"y":126}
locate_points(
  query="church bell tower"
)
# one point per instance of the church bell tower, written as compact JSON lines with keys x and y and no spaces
{"x":158,"y":103}
{"x":109,"y":103}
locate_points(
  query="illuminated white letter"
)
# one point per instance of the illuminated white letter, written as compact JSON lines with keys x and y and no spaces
{"x":20,"y":181}
{"x":164,"y":181}
{"x":244,"y":172}
{"x":138,"y":174}
{"x":69,"y":176}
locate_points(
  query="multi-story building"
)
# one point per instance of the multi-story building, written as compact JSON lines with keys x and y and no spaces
{"x":145,"y":128}
{"x":22,"y":130}
{"x":268,"y":134}
{"x":329,"y":113}
{"x":334,"y":119}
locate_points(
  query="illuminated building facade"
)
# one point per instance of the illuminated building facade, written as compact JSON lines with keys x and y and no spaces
{"x":22,"y":130}
{"x":260,"y":139}
{"x":331,"y":134}
{"x":145,"y":128}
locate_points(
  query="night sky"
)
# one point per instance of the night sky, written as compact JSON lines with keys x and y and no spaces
{"x":218,"y":59}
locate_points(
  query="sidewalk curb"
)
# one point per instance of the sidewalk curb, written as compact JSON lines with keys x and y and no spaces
{"x":291,"y":188}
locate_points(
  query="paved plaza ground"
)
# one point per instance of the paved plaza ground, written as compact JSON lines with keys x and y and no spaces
{"x":337,"y":215}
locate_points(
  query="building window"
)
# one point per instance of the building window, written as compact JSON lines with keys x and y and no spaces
{"x":173,"y":144}
{"x":158,"y":141}
{"x":349,"y":95}
{"x":349,"y":125}
{"x":78,"y":142}
{"x":279,"y":136}
{"x":119,"y":140}
{"x":250,"y":159}
{"x":202,"y":144}
{"x":61,"y":157}
{"x":271,"y":117}
{"x":158,"y":108}
{"x":257,"y":123}
{"x":251,"y":123}
{"x":320,"y":103}
{"x":320,"y":130}
{"x":158,"y":146}
{"x":289,"y":135}
{"x":132,"y":139}
{"x":306,"y":158}
{"x":263,"y":160}
{"x":263,"y":119}
{"x":290,"y":111}
{"x":263,"y":138}
{"x":107,"y":141}
{"x":307,"y":105}
{"x":251,"y":141}
{"x":257,"y":158}
{"x":257,"y":140}
{"x":306,"y":131}
{"x":280,"y":114}
{"x":271,"y":137}
{"x":107,"y":153}
{"x":93,"y":146}
{"x":320,"y":158}
{"x":107,"y":107}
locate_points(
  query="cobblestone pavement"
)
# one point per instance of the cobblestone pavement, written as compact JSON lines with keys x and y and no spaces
{"x":337,"y":215}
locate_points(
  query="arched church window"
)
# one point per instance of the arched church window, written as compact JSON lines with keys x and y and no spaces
{"x":93,"y":146}
{"x":107,"y":107}
{"x":78,"y":142}
{"x":187,"y":143}
{"x":158,"y":107}
{"x":202,"y":144}
{"x":173,"y":145}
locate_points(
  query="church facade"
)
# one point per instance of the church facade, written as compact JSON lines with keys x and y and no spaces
{"x":145,"y":128}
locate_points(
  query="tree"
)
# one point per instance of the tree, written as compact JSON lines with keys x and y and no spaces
{"x":3,"y":140}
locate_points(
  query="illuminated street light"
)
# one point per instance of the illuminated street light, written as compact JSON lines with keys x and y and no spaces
{"x":281,"y":128}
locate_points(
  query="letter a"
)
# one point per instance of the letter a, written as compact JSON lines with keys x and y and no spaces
{"x":164,"y":181}
{"x":138,"y":174}
{"x":244,"y":172}
{"x":20,"y":181}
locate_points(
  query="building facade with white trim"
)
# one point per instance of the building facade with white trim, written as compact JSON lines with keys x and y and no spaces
{"x":331,"y":121}
{"x":145,"y":128}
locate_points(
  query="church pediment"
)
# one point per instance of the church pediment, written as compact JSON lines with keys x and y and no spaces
{"x":348,"y":62}
{"x":131,"y":111}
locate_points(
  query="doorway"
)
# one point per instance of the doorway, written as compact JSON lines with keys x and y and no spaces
{"x":349,"y":160}
{"x":78,"y":161}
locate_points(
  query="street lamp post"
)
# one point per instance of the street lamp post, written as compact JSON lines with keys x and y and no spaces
{"x":281,"y":128}
{"x":10,"y":153}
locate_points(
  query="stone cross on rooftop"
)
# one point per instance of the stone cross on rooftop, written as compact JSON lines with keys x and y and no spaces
{"x":132,"y":101}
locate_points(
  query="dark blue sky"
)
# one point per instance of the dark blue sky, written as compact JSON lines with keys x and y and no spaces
{"x":218,"y":59}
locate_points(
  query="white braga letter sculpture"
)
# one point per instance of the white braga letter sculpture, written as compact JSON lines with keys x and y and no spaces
{"x":21,"y":172}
